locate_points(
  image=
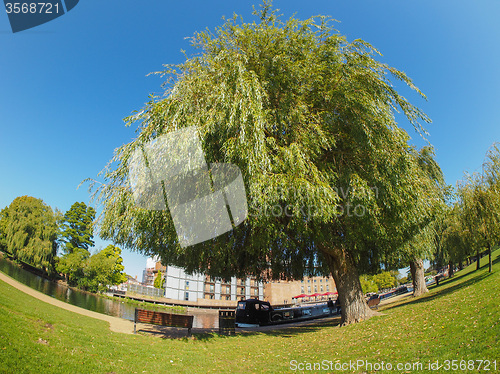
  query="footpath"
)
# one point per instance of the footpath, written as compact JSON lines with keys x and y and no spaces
{"x":115,"y":324}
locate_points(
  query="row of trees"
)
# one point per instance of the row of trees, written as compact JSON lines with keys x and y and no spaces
{"x":31,"y":232}
{"x":471,"y":225}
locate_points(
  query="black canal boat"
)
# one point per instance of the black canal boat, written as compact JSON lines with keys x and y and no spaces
{"x":253,"y":312}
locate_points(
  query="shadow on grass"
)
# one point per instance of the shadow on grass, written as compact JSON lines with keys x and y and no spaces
{"x":446,"y":287}
{"x":205,"y":335}
{"x":284,"y":330}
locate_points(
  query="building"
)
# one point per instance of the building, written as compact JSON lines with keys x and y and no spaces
{"x":201,"y":289}
{"x":315,"y":289}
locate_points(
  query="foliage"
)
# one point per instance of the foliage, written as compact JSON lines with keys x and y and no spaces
{"x":158,"y":282}
{"x":367,"y":284}
{"x":30,"y":231}
{"x":93,"y":273}
{"x":479,"y":204}
{"x":72,"y":265}
{"x":384,"y":280}
{"x":77,"y":230}
{"x":3,"y":228}
{"x":378,"y":282}
{"x":308,"y":117}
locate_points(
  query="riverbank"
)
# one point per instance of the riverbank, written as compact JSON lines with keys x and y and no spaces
{"x":150,"y":304}
{"x":115,"y":324}
{"x":457,"y":320}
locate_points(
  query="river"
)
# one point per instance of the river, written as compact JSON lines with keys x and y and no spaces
{"x":202,"y":318}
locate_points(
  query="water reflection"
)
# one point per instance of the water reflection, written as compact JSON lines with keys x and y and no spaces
{"x":202,"y":319}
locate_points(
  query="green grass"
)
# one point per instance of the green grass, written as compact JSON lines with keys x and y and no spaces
{"x":459,"y":320}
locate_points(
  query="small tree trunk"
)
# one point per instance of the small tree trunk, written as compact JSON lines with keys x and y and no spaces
{"x":352,"y":300}
{"x":489,"y":257}
{"x":418,"y":277}
{"x":478,"y":259}
{"x":450,"y":269}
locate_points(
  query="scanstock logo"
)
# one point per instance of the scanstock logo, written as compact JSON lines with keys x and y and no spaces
{"x":204,"y":200}
{"x":25,"y":14}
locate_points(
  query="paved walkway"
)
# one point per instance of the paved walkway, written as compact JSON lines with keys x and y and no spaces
{"x":115,"y":324}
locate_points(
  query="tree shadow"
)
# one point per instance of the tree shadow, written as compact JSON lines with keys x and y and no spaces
{"x":288,"y":330}
{"x":447,"y":287}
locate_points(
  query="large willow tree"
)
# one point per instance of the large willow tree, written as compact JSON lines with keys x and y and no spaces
{"x":308,"y":117}
{"x":31,"y":232}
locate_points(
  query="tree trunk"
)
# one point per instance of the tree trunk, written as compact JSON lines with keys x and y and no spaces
{"x":460,"y":265}
{"x":478,"y":259}
{"x":450,"y":269}
{"x":489,"y":257}
{"x":352,"y":300}
{"x":418,"y":277}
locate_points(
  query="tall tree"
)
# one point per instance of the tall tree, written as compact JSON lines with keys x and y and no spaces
{"x":31,"y":232}
{"x":158,"y":282}
{"x":480,"y":201}
{"x":308,"y":117}
{"x":77,"y":230}
{"x":3,"y":228}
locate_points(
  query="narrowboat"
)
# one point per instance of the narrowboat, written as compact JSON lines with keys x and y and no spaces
{"x":253,"y":312}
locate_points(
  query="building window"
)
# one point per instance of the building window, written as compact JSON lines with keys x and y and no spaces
{"x":186,"y":286}
{"x":321,"y":280}
{"x":308,"y":289}
{"x":321,"y":288}
{"x":327,"y":288}
{"x":212,"y":288}
{"x":242,"y":290}
{"x":315,"y":288}
{"x":186,"y":296}
{"x":302,"y":289}
{"x":315,"y":280}
{"x":308,"y":281}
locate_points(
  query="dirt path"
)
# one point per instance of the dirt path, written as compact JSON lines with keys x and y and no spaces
{"x":115,"y":324}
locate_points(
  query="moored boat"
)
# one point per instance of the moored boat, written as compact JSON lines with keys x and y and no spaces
{"x":253,"y":312}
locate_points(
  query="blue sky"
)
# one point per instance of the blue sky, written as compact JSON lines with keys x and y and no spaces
{"x":65,"y":86}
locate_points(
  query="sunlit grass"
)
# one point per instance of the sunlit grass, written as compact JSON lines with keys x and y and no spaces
{"x":457,"y":320}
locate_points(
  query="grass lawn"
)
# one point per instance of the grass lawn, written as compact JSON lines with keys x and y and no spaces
{"x":459,"y":320}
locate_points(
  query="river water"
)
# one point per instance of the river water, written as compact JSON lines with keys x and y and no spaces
{"x":202,"y":319}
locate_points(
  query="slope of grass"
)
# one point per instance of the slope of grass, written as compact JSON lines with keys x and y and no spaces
{"x":459,"y":320}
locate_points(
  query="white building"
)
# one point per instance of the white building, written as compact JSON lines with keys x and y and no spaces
{"x":193,"y":287}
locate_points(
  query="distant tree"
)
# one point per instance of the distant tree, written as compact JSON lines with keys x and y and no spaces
{"x":93,"y":273}
{"x":158,"y":282}
{"x":77,"y":230}
{"x":367,"y":284}
{"x":480,"y":203}
{"x":3,"y":229}
{"x":116,"y":275}
{"x":72,"y":265}
{"x":384,"y":280}
{"x":30,"y":232}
